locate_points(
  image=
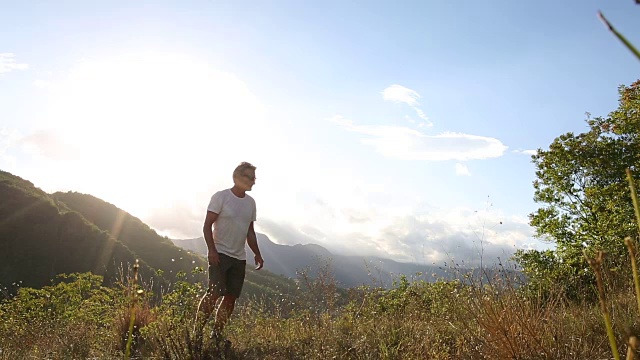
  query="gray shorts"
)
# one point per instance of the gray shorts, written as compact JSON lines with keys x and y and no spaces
{"x":227,"y":277}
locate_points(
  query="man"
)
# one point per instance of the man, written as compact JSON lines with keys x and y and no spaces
{"x":231,"y":212}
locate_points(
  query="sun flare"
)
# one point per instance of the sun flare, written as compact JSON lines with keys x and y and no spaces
{"x":142,"y":129}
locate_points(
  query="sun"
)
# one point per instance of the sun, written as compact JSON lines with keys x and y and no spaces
{"x":144,"y":130}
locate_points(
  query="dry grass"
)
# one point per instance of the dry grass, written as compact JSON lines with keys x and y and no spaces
{"x":414,"y":320}
{"x":446,"y":320}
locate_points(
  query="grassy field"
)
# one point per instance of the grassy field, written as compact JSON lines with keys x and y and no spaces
{"x":78,"y":318}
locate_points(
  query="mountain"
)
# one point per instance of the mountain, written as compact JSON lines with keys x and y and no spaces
{"x":348,"y":271}
{"x":157,"y":251}
{"x":42,"y":235}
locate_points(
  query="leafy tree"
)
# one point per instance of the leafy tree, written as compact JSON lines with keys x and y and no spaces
{"x":584,"y":195}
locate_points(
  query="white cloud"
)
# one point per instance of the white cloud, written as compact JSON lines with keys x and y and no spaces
{"x":462,"y":170}
{"x":408,"y":144}
{"x":341,"y":120}
{"x":8,"y":139}
{"x":460,"y":234}
{"x":421,"y":114}
{"x":51,"y":144}
{"x":526,"y":152}
{"x":400,"y":94}
{"x":8,"y":63}
{"x":43,"y":84}
{"x":179,"y":219}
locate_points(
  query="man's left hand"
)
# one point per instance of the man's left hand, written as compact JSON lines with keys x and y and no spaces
{"x":259,"y":262}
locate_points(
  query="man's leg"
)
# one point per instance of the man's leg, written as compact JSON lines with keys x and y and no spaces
{"x":224,"y":312}
{"x":233,"y":281}
{"x":208,"y":302}
{"x":205,"y":309}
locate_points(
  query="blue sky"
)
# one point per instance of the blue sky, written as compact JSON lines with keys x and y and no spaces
{"x":399,"y":129}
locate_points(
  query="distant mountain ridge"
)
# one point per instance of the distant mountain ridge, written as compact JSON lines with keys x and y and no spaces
{"x":348,"y":271}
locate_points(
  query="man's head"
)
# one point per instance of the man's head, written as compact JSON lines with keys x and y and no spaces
{"x":244,"y":176}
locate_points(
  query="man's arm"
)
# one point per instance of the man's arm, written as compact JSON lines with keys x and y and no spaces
{"x":208,"y":237}
{"x":252,"y":241}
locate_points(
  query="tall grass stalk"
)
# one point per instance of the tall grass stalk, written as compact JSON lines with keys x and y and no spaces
{"x":619,"y":36}
{"x":633,"y":345}
{"x":634,"y":197}
{"x":132,"y":309}
{"x":634,"y":269}
{"x":628,"y":241}
{"x":596,"y":265}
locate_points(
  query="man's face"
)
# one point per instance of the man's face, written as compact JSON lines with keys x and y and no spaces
{"x":246,"y":179}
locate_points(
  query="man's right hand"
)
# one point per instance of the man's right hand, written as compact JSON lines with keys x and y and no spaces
{"x":214,"y":259}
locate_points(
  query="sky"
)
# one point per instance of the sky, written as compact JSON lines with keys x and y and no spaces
{"x":399,"y":129}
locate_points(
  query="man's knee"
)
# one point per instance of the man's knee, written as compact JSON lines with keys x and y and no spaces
{"x":210,"y":298}
{"x":229,"y":300}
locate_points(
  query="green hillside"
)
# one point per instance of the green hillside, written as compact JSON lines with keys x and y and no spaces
{"x":144,"y":242}
{"x":40,"y":237}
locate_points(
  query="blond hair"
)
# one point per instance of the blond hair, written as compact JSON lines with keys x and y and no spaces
{"x":242,"y":167}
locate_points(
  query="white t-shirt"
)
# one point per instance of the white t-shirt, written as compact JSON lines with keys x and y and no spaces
{"x":234,"y":217}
